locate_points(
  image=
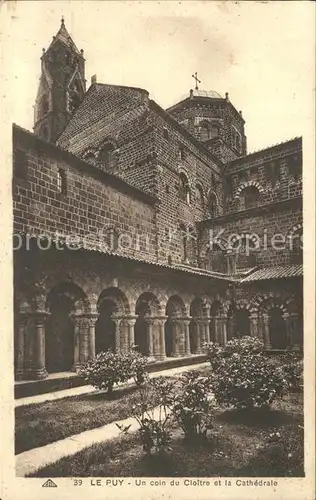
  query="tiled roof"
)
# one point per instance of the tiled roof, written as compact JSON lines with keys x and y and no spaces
{"x":277,"y":272}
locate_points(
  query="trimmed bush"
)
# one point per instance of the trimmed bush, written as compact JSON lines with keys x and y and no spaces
{"x":243,"y":377}
{"x":108,"y":368}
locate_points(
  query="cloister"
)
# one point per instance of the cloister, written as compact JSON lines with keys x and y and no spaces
{"x":60,"y":330}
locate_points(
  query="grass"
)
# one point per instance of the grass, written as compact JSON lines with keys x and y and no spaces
{"x":243,"y":443}
{"x":43,"y":423}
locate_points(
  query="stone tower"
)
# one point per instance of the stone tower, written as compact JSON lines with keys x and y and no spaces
{"x":62,"y":86}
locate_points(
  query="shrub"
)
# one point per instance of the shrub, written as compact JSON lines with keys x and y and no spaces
{"x":242,"y":376}
{"x":153,"y":431}
{"x":109,"y":368}
{"x":243,"y":345}
{"x":292,"y":366}
{"x":193,"y":404}
{"x":248,"y":381}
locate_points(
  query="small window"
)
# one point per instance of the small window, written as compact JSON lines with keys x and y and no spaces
{"x":61,"y":181}
{"x":204,"y":131}
{"x":212,"y":205}
{"x":199,"y":196}
{"x":182,"y":153}
{"x":106,"y":154}
{"x":273,"y":173}
{"x":165,"y":134}
{"x":251,"y":197}
{"x":19,"y":164}
{"x":237,"y":142}
{"x":214,"y":131}
{"x":185,"y":193}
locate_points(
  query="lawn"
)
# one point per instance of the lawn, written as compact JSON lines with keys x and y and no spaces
{"x":243,"y":443}
{"x":43,"y":423}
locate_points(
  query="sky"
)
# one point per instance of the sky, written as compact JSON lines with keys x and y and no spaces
{"x":259,"y":52}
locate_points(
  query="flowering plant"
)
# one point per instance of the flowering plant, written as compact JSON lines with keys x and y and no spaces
{"x":109,"y":368}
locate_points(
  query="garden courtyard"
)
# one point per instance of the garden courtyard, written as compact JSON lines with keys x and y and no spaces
{"x":190,"y":424}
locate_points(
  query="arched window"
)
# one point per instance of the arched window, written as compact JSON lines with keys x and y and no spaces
{"x":251,"y":197}
{"x":204,"y":131}
{"x":212,"y":205}
{"x":165,"y":133}
{"x":182,"y":153}
{"x":199,"y":196}
{"x":184,"y":243}
{"x":214,"y":131}
{"x":61,"y":181}
{"x":237,"y":142}
{"x":185,"y":193}
{"x":106,"y":155}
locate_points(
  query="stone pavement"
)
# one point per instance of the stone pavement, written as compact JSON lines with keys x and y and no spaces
{"x":31,"y":460}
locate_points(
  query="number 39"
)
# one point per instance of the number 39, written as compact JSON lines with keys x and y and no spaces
{"x":77,"y":482}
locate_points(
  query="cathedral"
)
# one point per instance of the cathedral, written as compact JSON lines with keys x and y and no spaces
{"x":141,"y":226}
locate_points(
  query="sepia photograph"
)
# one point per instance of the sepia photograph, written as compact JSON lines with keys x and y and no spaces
{"x":158,"y":308}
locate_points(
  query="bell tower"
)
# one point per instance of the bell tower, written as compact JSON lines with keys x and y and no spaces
{"x":62,"y":86}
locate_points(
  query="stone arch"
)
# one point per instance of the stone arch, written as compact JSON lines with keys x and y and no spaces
{"x":246,"y":184}
{"x":65,"y":301}
{"x":264,"y":302}
{"x":112,"y":305}
{"x":294,"y":229}
{"x":295,"y":242}
{"x":118,"y":297}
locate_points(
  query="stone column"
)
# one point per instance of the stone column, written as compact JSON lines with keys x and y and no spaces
{"x":92,"y":318}
{"x":131,"y":332}
{"x":254,"y":330}
{"x":39,"y":370}
{"x":77,"y":323}
{"x":117,"y":322}
{"x":266,"y":333}
{"x":186,"y":325}
{"x":150,"y":337}
{"x":288,"y":329}
{"x":221,"y":332}
{"x":207,"y":329}
{"x":124,"y":335}
{"x":179,"y":337}
{"x":159,"y":346}
{"x":20,"y":366}
{"x":84,"y":339}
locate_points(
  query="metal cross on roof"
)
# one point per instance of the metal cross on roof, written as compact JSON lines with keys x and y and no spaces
{"x":196,"y":80}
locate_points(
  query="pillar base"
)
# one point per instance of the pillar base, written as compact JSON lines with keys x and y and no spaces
{"x":37,"y":374}
{"x":76,"y":367}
